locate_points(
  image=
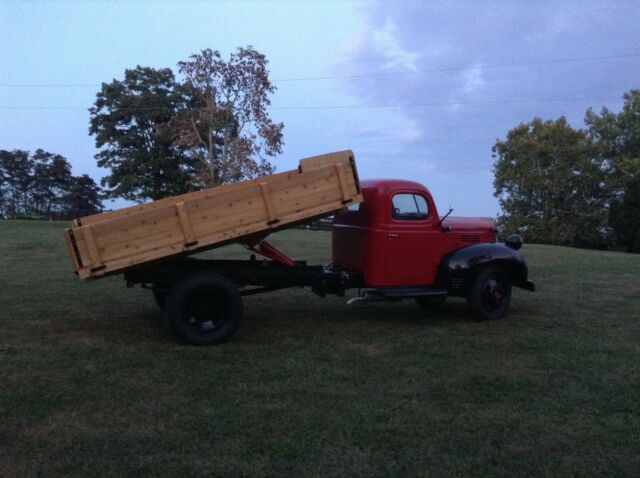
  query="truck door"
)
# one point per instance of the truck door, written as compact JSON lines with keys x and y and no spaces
{"x":409,"y":236}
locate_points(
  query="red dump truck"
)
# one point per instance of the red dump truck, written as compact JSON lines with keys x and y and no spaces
{"x":388,"y":242}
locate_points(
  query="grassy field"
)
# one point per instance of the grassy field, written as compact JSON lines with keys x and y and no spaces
{"x":91,"y":382}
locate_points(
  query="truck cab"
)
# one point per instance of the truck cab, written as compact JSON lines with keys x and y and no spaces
{"x":396,"y":239}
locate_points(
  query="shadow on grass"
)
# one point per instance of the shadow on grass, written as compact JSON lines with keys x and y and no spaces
{"x":295,"y":312}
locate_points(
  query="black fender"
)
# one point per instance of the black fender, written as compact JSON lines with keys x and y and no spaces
{"x":460,"y":266}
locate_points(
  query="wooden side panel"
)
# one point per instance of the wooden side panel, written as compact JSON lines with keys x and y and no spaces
{"x":185,"y":225}
{"x":70,"y":240}
{"x":269,"y":206}
{"x":115,"y":241}
{"x":95,"y":258}
{"x":323,"y":160}
{"x":160,"y":203}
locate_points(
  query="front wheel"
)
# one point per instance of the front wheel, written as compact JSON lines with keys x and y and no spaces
{"x":203,"y":309}
{"x":489,"y":294}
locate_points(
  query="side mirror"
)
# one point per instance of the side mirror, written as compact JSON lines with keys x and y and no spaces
{"x":446,"y":228}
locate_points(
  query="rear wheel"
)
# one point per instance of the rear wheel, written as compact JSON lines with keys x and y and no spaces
{"x":489,"y":294}
{"x":203,"y":309}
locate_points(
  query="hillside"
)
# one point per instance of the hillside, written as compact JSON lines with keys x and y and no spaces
{"x":91,"y":380}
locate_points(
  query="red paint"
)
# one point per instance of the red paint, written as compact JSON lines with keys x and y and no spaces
{"x":262,"y":247}
{"x":399,"y":252}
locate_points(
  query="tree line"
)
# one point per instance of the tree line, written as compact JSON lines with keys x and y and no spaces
{"x":573,"y":186}
{"x":41,"y":186}
{"x":158,"y":134}
{"x":161,"y":134}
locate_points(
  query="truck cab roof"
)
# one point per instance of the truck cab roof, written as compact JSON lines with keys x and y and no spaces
{"x":387,"y":186}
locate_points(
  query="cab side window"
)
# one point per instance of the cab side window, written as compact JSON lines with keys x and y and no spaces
{"x":411,"y":207}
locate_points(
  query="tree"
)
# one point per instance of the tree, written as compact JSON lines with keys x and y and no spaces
{"x":549,"y":185}
{"x":625,"y":217}
{"x":41,"y":186}
{"x":16,"y":169}
{"x":130,"y":121}
{"x":617,"y":136}
{"x":83,"y":197}
{"x":4,"y":192}
{"x":224,"y":120}
{"x":51,"y":180}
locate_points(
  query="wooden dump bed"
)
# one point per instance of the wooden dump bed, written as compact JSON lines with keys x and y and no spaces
{"x":117,"y":240}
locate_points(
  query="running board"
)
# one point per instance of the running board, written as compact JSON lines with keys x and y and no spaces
{"x":391,"y":294}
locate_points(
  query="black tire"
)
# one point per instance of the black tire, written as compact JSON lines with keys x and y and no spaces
{"x":160,"y":296}
{"x":203,"y":309}
{"x":489,"y":293}
{"x":430,"y":301}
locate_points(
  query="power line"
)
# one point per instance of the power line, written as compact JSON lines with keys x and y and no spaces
{"x":368,"y":75}
{"x":446,"y":103}
{"x":463,"y":68}
{"x":347,"y":107}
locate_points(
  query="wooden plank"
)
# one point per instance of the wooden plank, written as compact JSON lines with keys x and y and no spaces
{"x":318,"y":211}
{"x":231,"y":200}
{"x":313,"y":198}
{"x":209,"y":218}
{"x":140,"y":233}
{"x":123,"y":225}
{"x":83,"y":252}
{"x":92,"y":246}
{"x":324,"y":160}
{"x":256,"y":216}
{"x":140,"y":245}
{"x":185,"y":223}
{"x":343,"y":182}
{"x":316,"y":175}
{"x":69,"y":240}
{"x":286,"y":196}
{"x":170,"y":201}
{"x":267,"y":197}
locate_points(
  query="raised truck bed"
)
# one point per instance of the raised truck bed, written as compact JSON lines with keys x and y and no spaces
{"x":245,"y":212}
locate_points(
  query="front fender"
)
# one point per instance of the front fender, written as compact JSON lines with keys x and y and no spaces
{"x":459,"y":266}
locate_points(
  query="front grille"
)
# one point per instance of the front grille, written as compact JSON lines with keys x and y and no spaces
{"x":470,"y":238}
{"x":456,"y":283}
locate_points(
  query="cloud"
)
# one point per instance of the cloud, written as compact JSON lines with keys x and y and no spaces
{"x":410,"y":135}
{"x":383,"y":45}
{"x":473,"y":79}
{"x":469,"y":71}
{"x":386,"y":42}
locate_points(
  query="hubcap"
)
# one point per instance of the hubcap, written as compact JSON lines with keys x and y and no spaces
{"x":492,"y":294}
{"x":205,"y":313}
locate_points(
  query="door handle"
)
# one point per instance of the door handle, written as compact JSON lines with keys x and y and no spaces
{"x":393,"y":235}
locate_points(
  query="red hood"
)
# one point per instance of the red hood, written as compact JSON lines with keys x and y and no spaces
{"x":478,"y":224}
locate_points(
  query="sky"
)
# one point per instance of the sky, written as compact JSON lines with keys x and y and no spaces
{"x":419,"y":90}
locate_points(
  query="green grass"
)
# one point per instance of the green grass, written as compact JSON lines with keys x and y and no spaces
{"x":92,"y":383}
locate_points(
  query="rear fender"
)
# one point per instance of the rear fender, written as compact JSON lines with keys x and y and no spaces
{"x":460,"y":266}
